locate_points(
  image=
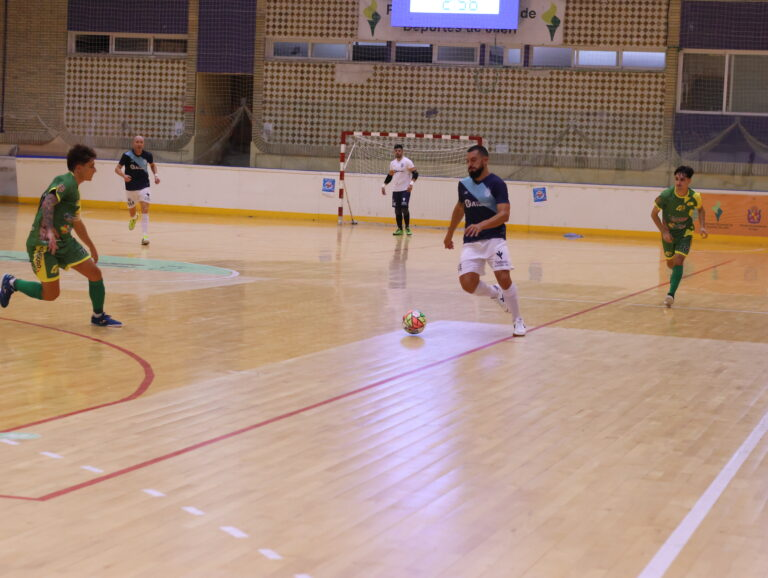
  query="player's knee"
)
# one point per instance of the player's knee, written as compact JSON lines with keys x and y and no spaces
{"x":468,"y":283}
{"x":50,"y":293}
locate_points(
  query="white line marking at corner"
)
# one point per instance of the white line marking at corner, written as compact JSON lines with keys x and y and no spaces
{"x":194,"y":511}
{"x":154,"y":493}
{"x":92,"y":469}
{"x":678,"y":539}
{"x":232,"y":531}
{"x":271,"y":554}
{"x":51,"y":455}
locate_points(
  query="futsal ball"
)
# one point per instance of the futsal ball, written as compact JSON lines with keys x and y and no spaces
{"x":414,"y":322}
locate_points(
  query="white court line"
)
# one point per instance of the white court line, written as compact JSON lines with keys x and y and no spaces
{"x":271,"y":554}
{"x":93,"y":469}
{"x":51,"y":455}
{"x":9,"y":442}
{"x":715,"y":310}
{"x":154,"y":493}
{"x":232,"y":531}
{"x":749,"y":311}
{"x":192,"y":510}
{"x":678,"y":539}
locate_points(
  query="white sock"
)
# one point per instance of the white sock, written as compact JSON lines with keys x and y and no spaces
{"x":510,"y":298}
{"x":145,"y":223}
{"x":483,"y":290}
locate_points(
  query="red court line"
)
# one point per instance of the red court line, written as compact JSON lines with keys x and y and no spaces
{"x":330,"y":400}
{"x":149,"y":374}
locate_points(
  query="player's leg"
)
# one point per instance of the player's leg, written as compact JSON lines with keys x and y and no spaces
{"x":399,"y":220}
{"x":500,"y":264}
{"x":97,"y":293}
{"x":45,"y":267}
{"x":682,"y":247}
{"x":131,"y":198}
{"x":404,"y":206}
{"x":398,"y":212}
{"x":471,"y":268}
{"x":78,"y":259}
{"x":144,"y":203}
{"x":669,"y":251}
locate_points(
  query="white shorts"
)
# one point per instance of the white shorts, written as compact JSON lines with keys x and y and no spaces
{"x":135,"y":196}
{"x":475,"y":255}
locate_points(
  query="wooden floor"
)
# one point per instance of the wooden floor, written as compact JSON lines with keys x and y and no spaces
{"x":262,"y":414}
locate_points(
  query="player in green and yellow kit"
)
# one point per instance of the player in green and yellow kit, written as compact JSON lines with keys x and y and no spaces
{"x":676,"y":205}
{"x":51,"y":245}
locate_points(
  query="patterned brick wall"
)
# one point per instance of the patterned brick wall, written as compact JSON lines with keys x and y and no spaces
{"x":123,"y":96}
{"x":572,"y":113}
{"x":616,"y":23}
{"x":34,"y":96}
{"x":546,"y":112}
{"x":312,"y":19}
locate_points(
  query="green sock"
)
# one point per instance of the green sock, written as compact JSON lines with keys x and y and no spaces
{"x":674,"y":280}
{"x":30,"y":288}
{"x":97,"y":293}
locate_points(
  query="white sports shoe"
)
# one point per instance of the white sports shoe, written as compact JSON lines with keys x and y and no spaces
{"x":668,"y":301}
{"x":520,"y":329}
{"x":499,"y":298}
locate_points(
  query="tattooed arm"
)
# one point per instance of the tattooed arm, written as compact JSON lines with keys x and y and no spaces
{"x":47,"y":233}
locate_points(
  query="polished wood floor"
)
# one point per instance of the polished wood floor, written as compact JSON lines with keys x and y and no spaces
{"x":262,"y":414}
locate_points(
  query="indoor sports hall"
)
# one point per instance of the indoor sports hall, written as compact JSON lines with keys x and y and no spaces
{"x":263,"y":413}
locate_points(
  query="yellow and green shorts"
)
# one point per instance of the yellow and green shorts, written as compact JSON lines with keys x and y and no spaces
{"x":46,"y":266}
{"x":680,"y":245}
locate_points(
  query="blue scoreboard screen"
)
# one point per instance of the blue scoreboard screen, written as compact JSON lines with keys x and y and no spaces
{"x":485,"y":14}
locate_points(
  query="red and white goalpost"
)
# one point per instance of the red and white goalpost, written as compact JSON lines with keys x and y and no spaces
{"x":365,"y":156}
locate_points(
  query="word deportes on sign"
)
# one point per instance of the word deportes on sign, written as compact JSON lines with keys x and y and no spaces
{"x":474,"y":30}
{"x":524,"y":13}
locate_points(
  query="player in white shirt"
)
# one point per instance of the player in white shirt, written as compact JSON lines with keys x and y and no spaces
{"x":402,"y":174}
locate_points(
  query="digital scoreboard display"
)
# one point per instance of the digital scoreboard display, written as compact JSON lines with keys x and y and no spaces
{"x":482,"y":14}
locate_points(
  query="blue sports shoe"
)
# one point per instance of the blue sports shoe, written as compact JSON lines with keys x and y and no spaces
{"x":105,"y":320}
{"x":6,"y":290}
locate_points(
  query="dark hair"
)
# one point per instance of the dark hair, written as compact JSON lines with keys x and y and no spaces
{"x":398,"y":146}
{"x":479,"y":148}
{"x":687,"y":171}
{"x":79,"y":155}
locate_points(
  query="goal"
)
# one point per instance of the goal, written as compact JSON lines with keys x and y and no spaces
{"x":365,"y":158}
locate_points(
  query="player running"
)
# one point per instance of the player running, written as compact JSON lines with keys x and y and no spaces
{"x":677,"y":205}
{"x":51,"y":246}
{"x":484,"y":205}
{"x":136,"y":178}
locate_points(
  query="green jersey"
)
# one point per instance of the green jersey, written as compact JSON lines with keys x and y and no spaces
{"x":66,"y":211}
{"x":677,"y":212}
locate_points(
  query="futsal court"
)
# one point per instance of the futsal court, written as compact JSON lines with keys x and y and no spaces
{"x":262,"y":413}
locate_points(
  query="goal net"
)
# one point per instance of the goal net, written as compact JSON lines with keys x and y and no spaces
{"x":365,"y":158}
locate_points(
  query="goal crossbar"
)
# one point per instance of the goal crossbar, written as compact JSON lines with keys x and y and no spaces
{"x":345,"y":153}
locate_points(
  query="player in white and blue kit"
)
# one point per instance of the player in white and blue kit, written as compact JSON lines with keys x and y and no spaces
{"x":137,"y":163}
{"x":484,"y":205}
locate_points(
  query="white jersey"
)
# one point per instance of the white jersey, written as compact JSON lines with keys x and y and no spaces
{"x":402,"y":176}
